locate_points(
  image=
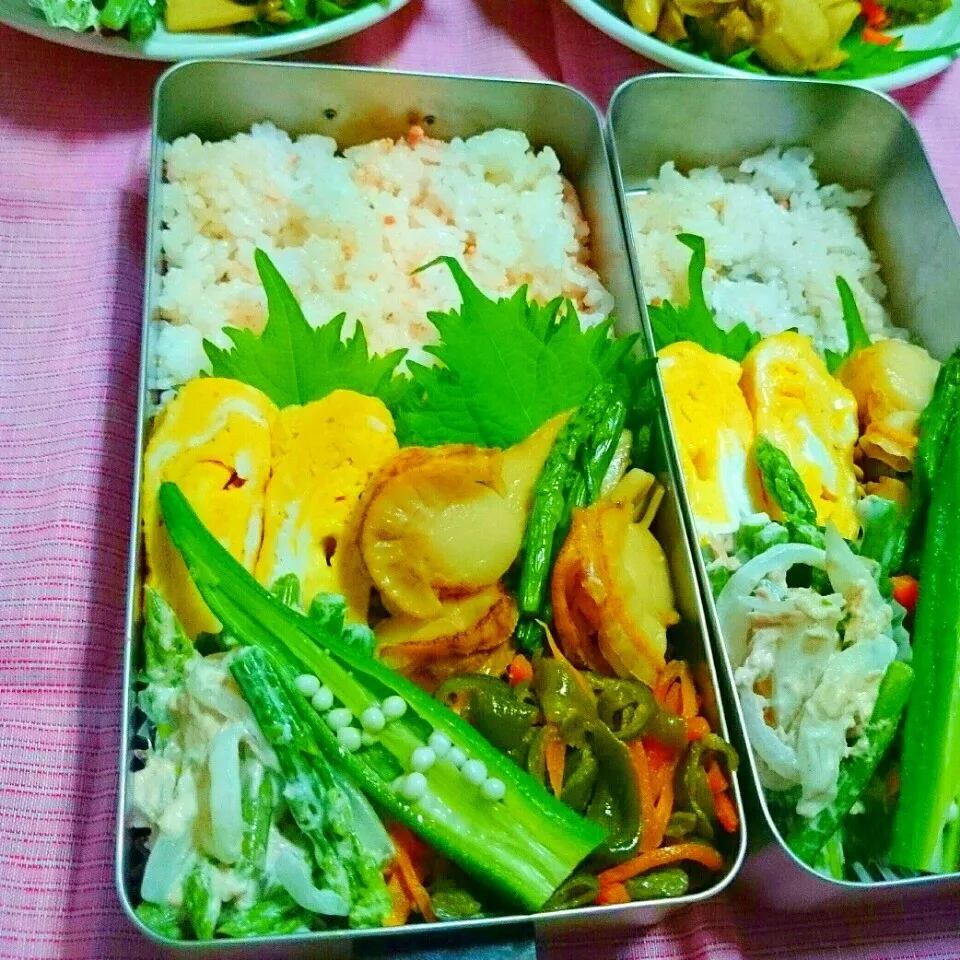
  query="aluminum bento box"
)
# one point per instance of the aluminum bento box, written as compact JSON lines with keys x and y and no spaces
{"x":218,"y":99}
{"x":860,"y":139}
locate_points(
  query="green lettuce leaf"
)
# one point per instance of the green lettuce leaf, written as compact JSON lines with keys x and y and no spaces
{"x":696,"y":321}
{"x":857,"y":336}
{"x":294,"y":363}
{"x":77,"y":15}
{"x":507,"y":366}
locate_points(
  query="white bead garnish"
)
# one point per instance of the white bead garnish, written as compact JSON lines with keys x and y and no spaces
{"x":493,"y":788}
{"x":341,"y":717}
{"x":474,"y":771}
{"x":307,"y":684}
{"x":372,"y":719}
{"x":367,"y":739}
{"x":322,"y":700}
{"x":350,"y":738}
{"x":423,"y":759}
{"x":394,"y":707}
{"x":439,"y":743}
{"x":414,"y":786}
{"x":456,"y":756}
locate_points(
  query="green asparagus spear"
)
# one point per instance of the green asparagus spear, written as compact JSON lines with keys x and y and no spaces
{"x":258,"y":799}
{"x":163,"y":921}
{"x":930,"y":771}
{"x":321,"y":809}
{"x":783,"y":483}
{"x":200,"y":903}
{"x":552,"y":494}
{"x":936,"y":425}
{"x":166,"y":646}
{"x":272,"y":915}
{"x":810,"y":836}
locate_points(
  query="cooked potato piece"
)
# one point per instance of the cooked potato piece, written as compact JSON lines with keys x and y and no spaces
{"x":448,"y":521}
{"x":463,"y":637}
{"x":893,"y":382}
{"x":611,"y":591}
{"x":801,"y":36}
{"x":644,"y":14}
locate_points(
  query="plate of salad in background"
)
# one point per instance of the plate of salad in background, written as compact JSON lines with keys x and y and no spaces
{"x":882,"y":44}
{"x":192,"y":29}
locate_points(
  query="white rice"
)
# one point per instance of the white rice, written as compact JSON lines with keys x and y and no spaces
{"x":348,"y":230}
{"x":776,"y":241}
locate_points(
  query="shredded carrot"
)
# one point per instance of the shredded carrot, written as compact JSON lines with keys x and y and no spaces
{"x":400,"y":912}
{"x":668,"y":676}
{"x":726,"y":812}
{"x":647,"y":800}
{"x":555,"y":754}
{"x":672,"y":700}
{"x":555,"y":650}
{"x":688,"y":693}
{"x":520,"y":669}
{"x":697,"y":852}
{"x":408,"y":876}
{"x":697,"y":728}
{"x":870,"y":35}
{"x":664,"y":808}
{"x":612,"y":893}
{"x":715,"y":778}
{"x":658,"y":753}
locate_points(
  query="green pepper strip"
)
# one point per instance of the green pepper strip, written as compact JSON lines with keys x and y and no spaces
{"x":495,"y":712}
{"x":658,"y":884}
{"x":524,"y":846}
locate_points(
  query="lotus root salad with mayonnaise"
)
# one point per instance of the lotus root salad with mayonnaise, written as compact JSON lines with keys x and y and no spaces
{"x":820,"y":453}
{"x":407,"y":647}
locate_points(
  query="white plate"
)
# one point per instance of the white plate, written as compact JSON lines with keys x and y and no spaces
{"x":190,"y":46}
{"x":942,"y":31}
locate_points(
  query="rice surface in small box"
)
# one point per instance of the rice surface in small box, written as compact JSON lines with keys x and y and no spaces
{"x":776,"y":240}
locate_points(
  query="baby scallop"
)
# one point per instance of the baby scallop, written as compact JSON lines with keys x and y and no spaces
{"x":322,"y":700}
{"x":350,"y":738}
{"x":414,"y":786}
{"x":439,"y":743}
{"x":394,"y":707}
{"x":372,"y":720}
{"x":423,"y":759}
{"x":493,"y":788}
{"x":475,"y":772}
{"x":307,"y":684}
{"x":456,"y":756}
{"x":367,"y":739}
{"x":339,"y":718}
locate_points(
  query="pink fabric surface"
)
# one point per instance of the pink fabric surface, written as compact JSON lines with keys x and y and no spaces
{"x":74,"y":138}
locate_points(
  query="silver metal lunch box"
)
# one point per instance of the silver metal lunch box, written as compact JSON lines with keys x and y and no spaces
{"x":861,"y":139}
{"x":216,"y":100}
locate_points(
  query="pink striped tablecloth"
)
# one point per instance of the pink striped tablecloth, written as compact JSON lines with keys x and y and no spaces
{"x":73,"y":160}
